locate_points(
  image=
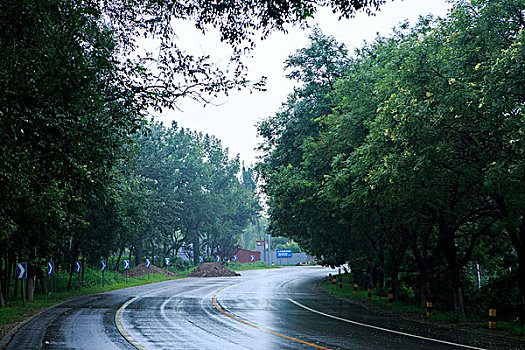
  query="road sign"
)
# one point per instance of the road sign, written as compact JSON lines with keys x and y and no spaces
{"x":252,"y":258}
{"x":167,"y":260}
{"x":103,"y":265}
{"x":21,"y":271}
{"x":201,"y":259}
{"x":126,"y":264}
{"x":284,"y":253}
{"x":218,"y":258}
{"x":78,"y":266}
{"x":235,"y":258}
{"x":50,"y":267}
{"x":148,"y":263}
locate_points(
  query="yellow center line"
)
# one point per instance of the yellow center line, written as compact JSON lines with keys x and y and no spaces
{"x":214,"y":299}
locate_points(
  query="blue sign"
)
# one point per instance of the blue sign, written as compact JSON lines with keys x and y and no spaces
{"x":126,"y":264}
{"x":218,"y":258}
{"x":167,"y":260}
{"x":252,"y":258}
{"x":235,"y":258}
{"x":78,"y":266}
{"x":201,"y":259}
{"x":103,"y":265}
{"x":21,"y":271}
{"x":148,"y":262}
{"x":284,"y":253}
{"x":50,"y":267}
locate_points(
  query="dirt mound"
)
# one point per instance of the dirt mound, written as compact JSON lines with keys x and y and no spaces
{"x":212,"y":269}
{"x":141,"y":270}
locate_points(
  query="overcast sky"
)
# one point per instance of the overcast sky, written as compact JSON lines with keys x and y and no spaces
{"x":233,"y":118}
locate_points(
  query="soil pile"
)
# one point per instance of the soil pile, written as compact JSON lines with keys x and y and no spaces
{"x":141,"y":270}
{"x":213,"y":269}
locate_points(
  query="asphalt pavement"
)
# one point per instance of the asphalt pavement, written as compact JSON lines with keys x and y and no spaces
{"x":262,"y":309}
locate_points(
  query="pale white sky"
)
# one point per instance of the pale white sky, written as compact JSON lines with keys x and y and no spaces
{"x":232,"y":119}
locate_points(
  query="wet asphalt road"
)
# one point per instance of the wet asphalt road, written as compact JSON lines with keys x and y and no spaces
{"x":254,"y":311}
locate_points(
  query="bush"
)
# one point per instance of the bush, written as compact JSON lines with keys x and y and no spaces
{"x":180,"y":264}
{"x":500,"y":293}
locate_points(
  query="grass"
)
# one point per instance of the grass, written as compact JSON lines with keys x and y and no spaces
{"x":415,"y":312}
{"x":257,"y":265}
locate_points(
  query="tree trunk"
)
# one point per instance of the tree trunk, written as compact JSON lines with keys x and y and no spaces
{"x":118,"y":259}
{"x":394,"y":275}
{"x":447,"y":245}
{"x":371,"y":275}
{"x":16,"y":285}
{"x":139,"y":252}
{"x":83,"y":266}
{"x":5,"y":277}
{"x":456,"y":289}
{"x":2,"y":300}
{"x":30,"y":284}
{"x":42,"y":280}
{"x":196,"y":248}
{"x":72,"y":266}
{"x":381,"y":279}
{"x":521,"y":284}
{"x":424,"y":275}
{"x":518,"y":241}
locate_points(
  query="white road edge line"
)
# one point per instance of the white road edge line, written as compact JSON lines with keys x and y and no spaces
{"x":120,"y":326}
{"x":382,"y":329}
{"x":122,"y":329}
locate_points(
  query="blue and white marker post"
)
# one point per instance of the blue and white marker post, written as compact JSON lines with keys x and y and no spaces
{"x":218,"y":258}
{"x":78,"y":269}
{"x":252,"y":258}
{"x":201,"y":259}
{"x":21,"y":273}
{"x":103,"y":268}
{"x":167,"y":261}
{"x":50,"y":272}
{"x":126,"y":267}
{"x":235,"y":258}
{"x":148,"y":264}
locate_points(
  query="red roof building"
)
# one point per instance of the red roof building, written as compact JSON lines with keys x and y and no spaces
{"x":245,"y":255}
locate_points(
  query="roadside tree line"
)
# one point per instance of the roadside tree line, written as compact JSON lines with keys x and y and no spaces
{"x":75,"y":86}
{"x":406,"y":159}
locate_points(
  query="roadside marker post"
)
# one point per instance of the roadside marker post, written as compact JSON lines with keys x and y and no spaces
{"x":341,"y":283}
{"x":369,"y":293}
{"x":148,"y":264}
{"x":235,"y":258}
{"x":21,"y":273}
{"x":50,"y":272}
{"x":103,"y":268}
{"x":126,"y":267}
{"x":78,"y":268}
{"x":201,"y":259}
{"x":218,"y":258}
{"x":429,"y":307}
{"x":252,"y":258}
{"x":355,"y":288}
{"x":492,"y":318}
{"x":390,"y":298}
{"x":167,"y":260}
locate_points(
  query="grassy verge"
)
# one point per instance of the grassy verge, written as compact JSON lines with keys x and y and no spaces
{"x":417,"y":313}
{"x":257,"y":265}
{"x":16,"y":312}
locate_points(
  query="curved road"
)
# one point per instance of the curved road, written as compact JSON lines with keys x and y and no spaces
{"x":263,"y":309}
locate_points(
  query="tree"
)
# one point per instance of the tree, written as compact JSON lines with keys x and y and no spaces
{"x":415,"y":156}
